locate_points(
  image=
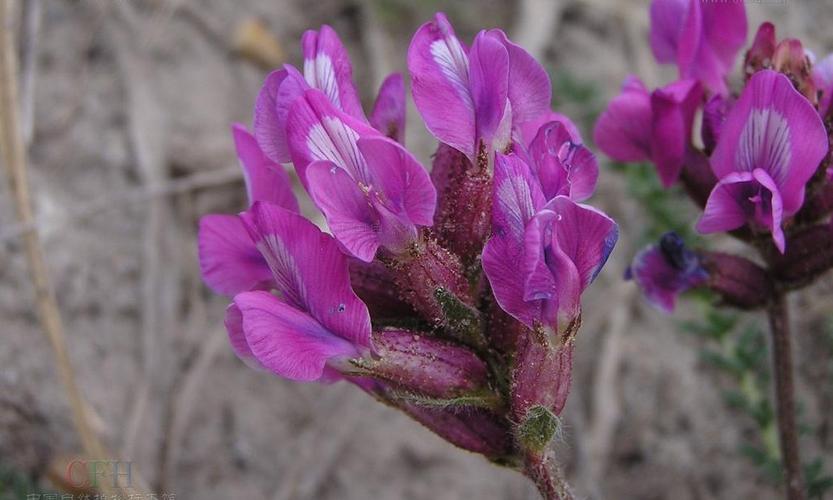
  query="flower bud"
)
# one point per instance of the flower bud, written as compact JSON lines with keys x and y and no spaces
{"x":426,"y":367}
{"x":808,"y":256}
{"x":542,"y":374}
{"x":663,"y":271}
{"x":697,"y":177}
{"x":819,"y":203}
{"x":473,"y":429}
{"x":738,"y":281}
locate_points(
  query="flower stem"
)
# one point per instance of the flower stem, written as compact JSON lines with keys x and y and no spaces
{"x":547,"y":477}
{"x":782,"y":369}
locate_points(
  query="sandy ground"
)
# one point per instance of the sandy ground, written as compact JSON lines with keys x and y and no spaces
{"x":132,"y":96}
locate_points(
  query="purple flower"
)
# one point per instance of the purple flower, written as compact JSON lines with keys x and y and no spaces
{"x":528,"y":130}
{"x":787,"y":56}
{"x":440,"y":347}
{"x":714,"y":114}
{"x":542,"y":254}
{"x":770,"y":145}
{"x":403,"y":357}
{"x":315,"y":322}
{"x":701,"y":38}
{"x":561,"y":164}
{"x":472,"y":99}
{"x":388,"y":115}
{"x":639,"y":126}
{"x":327,"y":68}
{"x":665,"y":270}
{"x":229,"y":261}
{"x":372,"y":191}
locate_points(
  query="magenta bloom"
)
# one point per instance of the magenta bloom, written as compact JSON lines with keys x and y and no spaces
{"x":558,"y":246}
{"x":229,"y":261}
{"x":642,"y":126}
{"x":770,"y":145}
{"x":473,"y":98}
{"x":487,"y":368}
{"x":562,"y":165}
{"x":666,"y":270}
{"x":388,"y":115}
{"x":327,"y":68}
{"x":316,"y":320}
{"x":372,"y":191}
{"x":701,"y":38}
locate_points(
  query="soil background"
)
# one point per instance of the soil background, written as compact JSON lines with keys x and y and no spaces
{"x":130,"y":145}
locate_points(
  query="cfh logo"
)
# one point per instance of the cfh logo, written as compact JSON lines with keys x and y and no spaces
{"x":90,"y":473}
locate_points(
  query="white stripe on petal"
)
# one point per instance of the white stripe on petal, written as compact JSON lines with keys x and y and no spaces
{"x":285,"y":270}
{"x":335,"y":141}
{"x":453,"y":62}
{"x":765,"y":143}
{"x":320,"y":74}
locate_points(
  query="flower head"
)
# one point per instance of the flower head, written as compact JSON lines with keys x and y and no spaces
{"x":665,"y":270}
{"x":559,"y":245}
{"x":701,"y":38}
{"x":770,"y":145}
{"x":440,"y":341}
{"x":314,"y":318}
{"x":474,"y":98}
{"x":639,"y":126}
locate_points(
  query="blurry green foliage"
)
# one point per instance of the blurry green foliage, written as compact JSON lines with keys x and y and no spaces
{"x":738,"y":348}
{"x":16,"y":486}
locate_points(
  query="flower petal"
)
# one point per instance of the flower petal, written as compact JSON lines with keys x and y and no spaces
{"x":714,"y":114}
{"x":770,"y":208}
{"x":237,"y":337}
{"x":316,"y":130}
{"x":666,"y":270}
{"x":711,"y":34}
{"x":327,"y":67}
{"x":673,"y":108}
{"x":501,"y":256}
{"x":550,"y":276}
{"x":586,"y":235}
{"x":285,"y":340}
{"x":279,"y":91}
{"x":530,"y":90}
{"x":346,"y":208}
{"x":229,"y":261}
{"x":310,"y":271}
{"x":265,"y":179}
{"x":562,"y":166}
{"x":517,"y":196}
{"x":623,"y":131}
{"x":439,"y":67}
{"x":404,"y":183}
{"x":529,"y":130}
{"x":774,"y":128}
{"x":666,"y":25}
{"x":388,"y":115}
{"x":724,"y":210}
{"x":489,"y":80}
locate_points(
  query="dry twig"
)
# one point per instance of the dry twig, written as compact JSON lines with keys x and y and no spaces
{"x":14,"y":159}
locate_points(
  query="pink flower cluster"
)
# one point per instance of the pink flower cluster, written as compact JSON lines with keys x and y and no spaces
{"x":757,"y":154}
{"x":454,"y":296}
